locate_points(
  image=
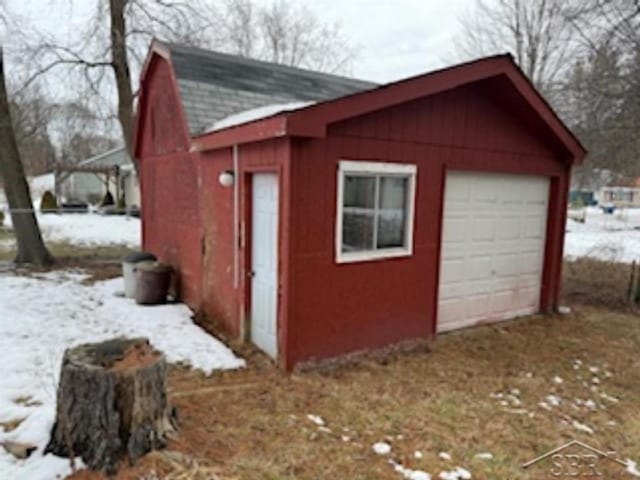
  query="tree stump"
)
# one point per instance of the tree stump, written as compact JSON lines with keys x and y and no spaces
{"x":112,"y":403}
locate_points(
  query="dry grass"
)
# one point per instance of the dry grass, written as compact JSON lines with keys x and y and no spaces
{"x":595,"y":282}
{"x":252,"y":423}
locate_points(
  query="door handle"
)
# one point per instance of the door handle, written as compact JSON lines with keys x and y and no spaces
{"x":251,"y":273}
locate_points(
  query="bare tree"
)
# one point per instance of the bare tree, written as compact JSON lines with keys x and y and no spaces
{"x":535,"y":32}
{"x":282,"y":32}
{"x":31,"y":114}
{"x":604,"y":87}
{"x":31,"y":248}
{"x":106,"y":56}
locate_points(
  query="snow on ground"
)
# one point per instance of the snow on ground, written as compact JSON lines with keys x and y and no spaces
{"x":614,"y":237}
{"x":88,"y":229}
{"x":41,"y":316}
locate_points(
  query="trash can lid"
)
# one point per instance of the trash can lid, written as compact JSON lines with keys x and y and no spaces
{"x":135,"y":257}
{"x":152,"y":266}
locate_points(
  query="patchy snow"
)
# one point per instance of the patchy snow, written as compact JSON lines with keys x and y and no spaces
{"x":609,"y":397}
{"x":614,"y":237}
{"x":553,"y":400}
{"x":316,"y":419}
{"x":557,"y":380}
{"x":42,"y":316}
{"x":632,"y":468}
{"x":582,"y":427}
{"x":444,"y":456}
{"x":88,"y":229}
{"x":484,"y":456}
{"x":545,"y":405}
{"x":256,"y":114}
{"x":417,"y":454}
{"x":458,"y":474}
{"x":408,"y":473}
{"x":381,"y":448}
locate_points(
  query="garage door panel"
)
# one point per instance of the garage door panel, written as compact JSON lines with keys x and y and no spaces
{"x":510,"y":228}
{"x":480,"y":267}
{"x":484,"y":192}
{"x":493,"y":236}
{"x":481,"y":228}
{"x":454,"y":271}
{"x":535,"y":226}
{"x":456,"y":230}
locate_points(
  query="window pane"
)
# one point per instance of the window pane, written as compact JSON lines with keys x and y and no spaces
{"x":392,"y":211}
{"x":359,"y":191}
{"x":357,"y":230}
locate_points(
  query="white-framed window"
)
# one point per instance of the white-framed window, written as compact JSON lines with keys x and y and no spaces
{"x":375,"y":210}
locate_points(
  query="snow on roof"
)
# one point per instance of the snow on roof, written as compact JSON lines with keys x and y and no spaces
{"x":255,"y":114}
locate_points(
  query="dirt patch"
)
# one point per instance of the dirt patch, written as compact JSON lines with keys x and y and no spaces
{"x":139,"y":355}
{"x":11,"y":425}
{"x":595,"y":282}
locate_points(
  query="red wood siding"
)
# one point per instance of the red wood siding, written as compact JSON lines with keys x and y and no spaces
{"x":171,"y":222}
{"x":338,"y":308}
{"x":225,"y":302}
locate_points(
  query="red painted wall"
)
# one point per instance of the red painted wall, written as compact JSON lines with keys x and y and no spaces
{"x":171,"y":220}
{"x":327,"y":309}
{"x":338,"y":308}
{"x":225,"y":299}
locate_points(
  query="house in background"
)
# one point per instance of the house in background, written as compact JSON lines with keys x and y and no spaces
{"x":90,"y":179}
{"x":370,"y":216}
{"x":622,"y":193}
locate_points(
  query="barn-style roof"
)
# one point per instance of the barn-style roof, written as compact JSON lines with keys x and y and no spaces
{"x":216,"y":85}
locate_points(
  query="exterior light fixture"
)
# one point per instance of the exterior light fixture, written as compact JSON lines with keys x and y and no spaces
{"x":226,"y":178}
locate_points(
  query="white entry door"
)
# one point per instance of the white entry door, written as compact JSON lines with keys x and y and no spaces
{"x":492,"y":252}
{"x":264,"y":263}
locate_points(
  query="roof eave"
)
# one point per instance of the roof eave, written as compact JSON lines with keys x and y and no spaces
{"x":263,"y":129}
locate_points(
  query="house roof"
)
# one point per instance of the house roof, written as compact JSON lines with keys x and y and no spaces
{"x":114,"y":157}
{"x":312,"y":121}
{"x":216,"y":85}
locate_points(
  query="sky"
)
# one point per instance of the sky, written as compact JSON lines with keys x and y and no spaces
{"x":394,"y":38}
{"x":397,"y":38}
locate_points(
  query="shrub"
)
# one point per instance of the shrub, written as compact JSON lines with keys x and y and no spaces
{"x":1,"y":219}
{"x":94,"y":198}
{"x":121,"y":204}
{"x":48,"y":203}
{"x":107,"y":199}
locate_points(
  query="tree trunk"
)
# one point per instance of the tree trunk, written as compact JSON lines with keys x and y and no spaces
{"x":31,"y":248}
{"x":122,"y":73}
{"x":112,"y":403}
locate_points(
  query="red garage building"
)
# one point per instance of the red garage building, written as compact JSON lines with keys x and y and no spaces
{"x":317,"y":215}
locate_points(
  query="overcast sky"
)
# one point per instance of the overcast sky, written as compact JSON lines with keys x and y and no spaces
{"x":395,"y":38}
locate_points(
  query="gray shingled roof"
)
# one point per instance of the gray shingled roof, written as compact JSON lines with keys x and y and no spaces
{"x":215,"y":85}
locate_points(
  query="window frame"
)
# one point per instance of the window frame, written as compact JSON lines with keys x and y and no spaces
{"x":364,"y":168}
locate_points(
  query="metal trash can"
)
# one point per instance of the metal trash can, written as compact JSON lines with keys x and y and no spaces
{"x":128,"y":270}
{"x":152,"y":282}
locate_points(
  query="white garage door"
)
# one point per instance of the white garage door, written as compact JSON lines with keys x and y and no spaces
{"x":493,"y":239}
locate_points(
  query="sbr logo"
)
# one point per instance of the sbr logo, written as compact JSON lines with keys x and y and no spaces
{"x":566,"y":462}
